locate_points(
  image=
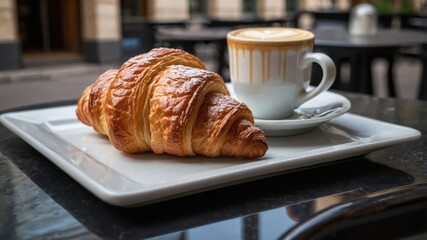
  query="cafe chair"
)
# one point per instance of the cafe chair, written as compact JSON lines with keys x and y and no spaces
{"x":417,"y":22}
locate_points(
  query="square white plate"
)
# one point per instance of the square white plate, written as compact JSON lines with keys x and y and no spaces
{"x":130,"y":180}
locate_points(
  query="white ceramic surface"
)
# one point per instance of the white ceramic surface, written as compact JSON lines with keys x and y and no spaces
{"x":270,"y":69}
{"x":295,"y":124}
{"x":129,"y":180}
{"x":363,"y":20}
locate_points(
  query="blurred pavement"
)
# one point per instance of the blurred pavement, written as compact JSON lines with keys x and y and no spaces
{"x":46,"y":84}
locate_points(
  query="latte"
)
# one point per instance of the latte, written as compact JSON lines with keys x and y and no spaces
{"x":270,"y":69}
{"x":270,"y":34}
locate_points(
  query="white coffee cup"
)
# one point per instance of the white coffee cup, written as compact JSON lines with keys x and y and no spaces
{"x":270,"y":69}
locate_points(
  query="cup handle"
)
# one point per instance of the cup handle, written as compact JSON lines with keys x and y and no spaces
{"x":329,"y":73}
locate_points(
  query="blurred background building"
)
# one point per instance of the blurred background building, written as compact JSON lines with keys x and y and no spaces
{"x":34,"y":32}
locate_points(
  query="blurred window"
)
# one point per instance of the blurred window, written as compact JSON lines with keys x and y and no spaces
{"x":133,"y":8}
{"x":291,"y":7}
{"x":249,"y":8}
{"x":198,"y":7}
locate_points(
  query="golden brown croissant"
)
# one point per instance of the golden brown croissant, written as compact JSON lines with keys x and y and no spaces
{"x":166,"y":102}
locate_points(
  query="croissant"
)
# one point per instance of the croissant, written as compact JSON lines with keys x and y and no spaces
{"x":166,"y":102}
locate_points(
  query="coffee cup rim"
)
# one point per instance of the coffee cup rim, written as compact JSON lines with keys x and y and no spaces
{"x":232,"y":37}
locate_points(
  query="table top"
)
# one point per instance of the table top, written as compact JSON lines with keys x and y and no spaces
{"x":192,"y":33}
{"x":39,"y":201}
{"x":383,"y":38}
{"x":323,"y":37}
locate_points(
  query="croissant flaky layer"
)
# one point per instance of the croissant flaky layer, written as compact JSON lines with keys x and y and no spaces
{"x":166,"y":102}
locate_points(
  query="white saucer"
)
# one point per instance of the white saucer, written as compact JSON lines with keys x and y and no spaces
{"x":298,"y":123}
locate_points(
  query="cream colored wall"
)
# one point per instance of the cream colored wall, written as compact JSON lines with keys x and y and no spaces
{"x":225,"y":9}
{"x":101,"y":19}
{"x":343,"y":5}
{"x":418,"y":5}
{"x":164,"y":10}
{"x":270,"y":9}
{"x":314,"y":5}
{"x":8,"y":21}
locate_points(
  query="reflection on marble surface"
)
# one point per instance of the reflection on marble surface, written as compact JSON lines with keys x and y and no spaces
{"x":27,"y":213}
{"x":265,"y":225}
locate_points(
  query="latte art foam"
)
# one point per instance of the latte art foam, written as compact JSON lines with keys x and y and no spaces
{"x":271,"y":34}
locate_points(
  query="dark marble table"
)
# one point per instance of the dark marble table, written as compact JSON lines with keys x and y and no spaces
{"x":39,"y":201}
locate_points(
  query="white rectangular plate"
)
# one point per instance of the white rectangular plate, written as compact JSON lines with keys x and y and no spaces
{"x":130,"y":180}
